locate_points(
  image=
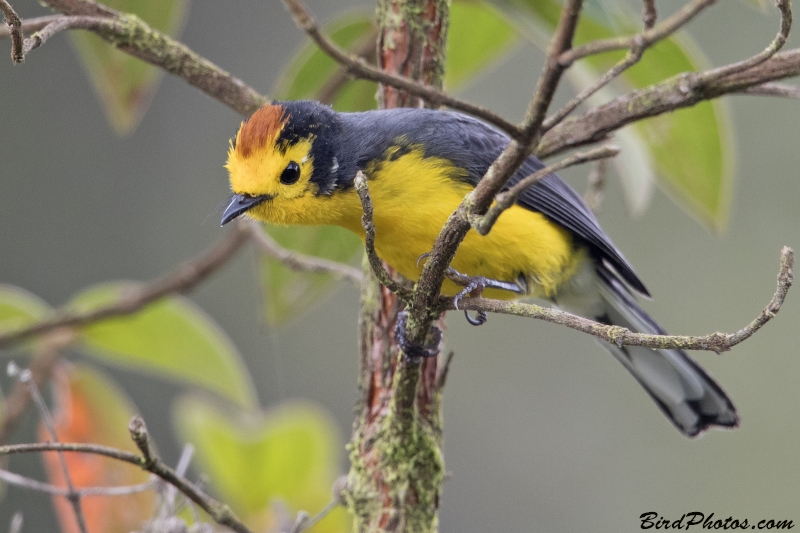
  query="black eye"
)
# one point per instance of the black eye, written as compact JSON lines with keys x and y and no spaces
{"x":291,"y":173}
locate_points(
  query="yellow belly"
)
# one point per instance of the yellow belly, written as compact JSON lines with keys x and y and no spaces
{"x":414,"y":196}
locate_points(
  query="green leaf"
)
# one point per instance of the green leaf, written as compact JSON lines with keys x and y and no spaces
{"x":693,"y":148}
{"x":171,"y":338}
{"x":126,"y":85}
{"x":289,"y":294}
{"x":477,"y":38}
{"x":20,"y":308}
{"x":311,"y":69}
{"x":700,"y":178}
{"x":288,"y":455}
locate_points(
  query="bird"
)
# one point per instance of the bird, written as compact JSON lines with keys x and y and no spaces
{"x":295,"y":162}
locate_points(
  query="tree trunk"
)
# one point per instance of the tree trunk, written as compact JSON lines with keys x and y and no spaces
{"x":397,"y":467}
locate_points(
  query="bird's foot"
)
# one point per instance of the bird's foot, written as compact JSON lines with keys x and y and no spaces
{"x":416,"y":352}
{"x":475,"y":285}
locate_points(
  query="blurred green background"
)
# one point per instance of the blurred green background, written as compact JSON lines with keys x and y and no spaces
{"x":544,"y":431}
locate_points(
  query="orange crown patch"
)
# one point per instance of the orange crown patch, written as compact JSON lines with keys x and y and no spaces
{"x":264,"y":125}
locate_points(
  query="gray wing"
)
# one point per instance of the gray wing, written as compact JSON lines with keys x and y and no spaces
{"x":479,"y":144}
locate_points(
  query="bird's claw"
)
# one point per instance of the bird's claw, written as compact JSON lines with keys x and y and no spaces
{"x":420,"y":258}
{"x":416,"y":352}
{"x":479,"y":320}
{"x":474,"y":285}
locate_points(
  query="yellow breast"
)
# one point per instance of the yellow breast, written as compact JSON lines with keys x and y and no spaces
{"x":413,"y":196}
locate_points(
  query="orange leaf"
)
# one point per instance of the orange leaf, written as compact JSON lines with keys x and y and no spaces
{"x":92,"y":409}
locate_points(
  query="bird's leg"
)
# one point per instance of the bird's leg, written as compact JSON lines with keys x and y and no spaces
{"x":415,"y":352}
{"x":475,"y":285}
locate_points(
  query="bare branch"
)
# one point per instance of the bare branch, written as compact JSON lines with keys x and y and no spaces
{"x":646,"y":38}
{"x":33,"y":484}
{"x":41,"y":365}
{"x":441,"y":379}
{"x":304,"y":521}
{"x":716,"y":342}
{"x":369,"y":240}
{"x":669,"y":95}
{"x":133,"y":36}
{"x":30,"y":25}
{"x":219,"y":512}
{"x":184,"y":278}
{"x":504,"y":200}
{"x":775,"y":89}
{"x":777,"y":43}
{"x":631,"y":58}
{"x":16,"y":523}
{"x":14,"y":26}
{"x":141,"y":438}
{"x":74,"y":498}
{"x":366,"y":52}
{"x":553,"y":69}
{"x":357,"y":67}
{"x":649,"y":14}
{"x":61,"y":24}
{"x":299,"y":261}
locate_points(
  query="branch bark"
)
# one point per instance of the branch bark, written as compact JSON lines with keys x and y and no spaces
{"x":132,"y":35}
{"x":715,"y":342}
{"x":219,"y":512}
{"x":397,"y":468}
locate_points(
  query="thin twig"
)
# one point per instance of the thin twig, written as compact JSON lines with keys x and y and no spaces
{"x":638,"y":45}
{"x":669,"y":95}
{"x":631,"y":58}
{"x":369,"y":241}
{"x":62,"y":24}
{"x":33,"y":484}
{"x":16,"y":523}
{"x":504,"y":200}
{"x":182,"y":279}
{"x":553,"y":69}
{"x":367,"y":52}
{"x":183,"y":465}
{"x":141,"y":438}
{"x":649,"y":13}
{"x":48,"y":353}
{"x":304,"y":522}
{"x":357,"y":67}
{"x":74,"y":498}
{"x":775,"y":89}
{"x":716,"y":342}
{"x":299,"y":261}
{"x":441,"y":379}
{"x":30,"y":25}
{"x":785,"y":7}
{"x":596,"y":184}
{"x":133,"y":36}
{"x":219,"y":512}
{"x":14,"y":25}
{"x":648,"y":37}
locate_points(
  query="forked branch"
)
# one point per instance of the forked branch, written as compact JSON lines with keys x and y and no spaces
{"x":715,"y":342}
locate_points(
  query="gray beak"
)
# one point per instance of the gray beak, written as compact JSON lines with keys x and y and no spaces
{"x":241,"y":203}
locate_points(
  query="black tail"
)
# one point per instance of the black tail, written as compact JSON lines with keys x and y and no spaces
{"x":689,"y":397}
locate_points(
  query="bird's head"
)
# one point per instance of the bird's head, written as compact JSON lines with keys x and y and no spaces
{"x":282,"y":157}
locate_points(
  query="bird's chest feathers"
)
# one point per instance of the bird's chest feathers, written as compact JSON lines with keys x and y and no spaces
{"x":413,"y":196}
